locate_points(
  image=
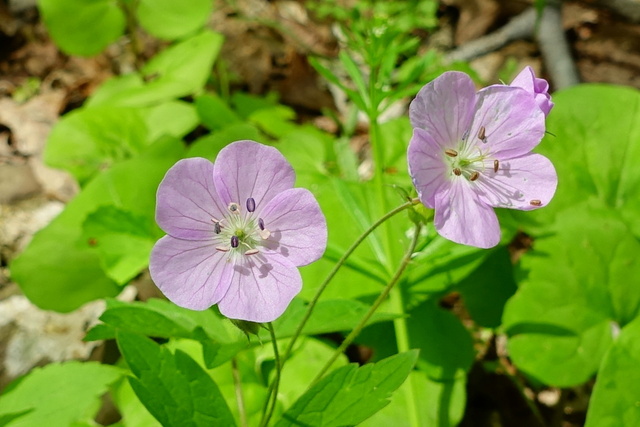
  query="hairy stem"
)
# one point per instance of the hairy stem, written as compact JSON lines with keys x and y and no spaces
{"x":363,"y":322}
{"x":237,"y":382}
{"x":272,"y":399}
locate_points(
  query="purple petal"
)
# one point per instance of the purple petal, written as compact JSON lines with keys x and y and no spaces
{"x":538,"y":87}
{"x":246,"y":169}
{"x":513,"y":123}
{"x":187,"y":201}
{"x":297,"y":225}
{"x":426,"y":166}
{"x":444,"y":107}
{"x":462,"y":218}
{"x":518,"y":182}
{"x":261,"y":289}
{"x":191,"y":273}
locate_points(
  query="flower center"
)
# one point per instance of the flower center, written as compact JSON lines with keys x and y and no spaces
{"x":468,"y":160}
{"x":239,"y":233}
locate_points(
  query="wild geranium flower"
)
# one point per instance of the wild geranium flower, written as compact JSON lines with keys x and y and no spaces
{"x":534,"y":85}
{"x":470,"y":153}
{"x":236,"y":232}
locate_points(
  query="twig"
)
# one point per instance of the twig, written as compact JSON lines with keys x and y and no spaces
{"x":549,"y":34}
{"x":555,"y":48}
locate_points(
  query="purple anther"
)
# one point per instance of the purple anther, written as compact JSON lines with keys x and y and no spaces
{"x":234,"y":241}
{"x":251,"y":204}
{"x":261,"y":223}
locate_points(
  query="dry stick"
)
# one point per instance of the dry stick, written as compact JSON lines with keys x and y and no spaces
{"x":520,"y":27}
{"x":237,"y":382}
{"x":363,"y":322}
{"x":549,"y":35}
{"x":555,"y":48}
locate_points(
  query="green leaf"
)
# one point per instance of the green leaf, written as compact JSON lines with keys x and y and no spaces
{"x":214,"y":112}
{"x":173,"y":387}
{"x":58,"y":394}
{"x":172,"y":118}
{"x":577,"y":284}
{"x":61,"y":271}
{"x":439,"y":266}
{"x":594,"y":147}
{"x":88,"y":140}
{"x":328,"y":316}
{"x":180,"y":70}
{"x":453,"y":353}
{"x":133,"y":412}
{"x":349,"y":395}
{"x":441,"y":403}
{"x":82,"y":28}
{"x":123,"y":241}
{"x":614,"y":401}
{"x":486,"y":290}
{"x":209,"y":145}
{"x":169,"y":20}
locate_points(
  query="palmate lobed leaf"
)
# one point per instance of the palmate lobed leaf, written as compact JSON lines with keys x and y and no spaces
{"x":57,"y":394}
{"x":581,"y":282}
{"x":172,"y":386}
{"x":221,"y":340}
{"x":82,"y":28}
{"x":68,"y":265}
{"x":349,"y":395}
{"x":616,"y":396}
{"x":169,"y":20}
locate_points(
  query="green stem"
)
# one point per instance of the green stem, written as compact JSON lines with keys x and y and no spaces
{"x":331,"y":275}
{"x":272,"y":399}
{"x":237,"y":382}
{"x":336,"y":267}
{"x":402,"y":341}
{"x":363,"y":322}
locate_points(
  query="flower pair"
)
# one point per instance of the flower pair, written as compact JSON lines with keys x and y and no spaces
{"x":237,"y":229}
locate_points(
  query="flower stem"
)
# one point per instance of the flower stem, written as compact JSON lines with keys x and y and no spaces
{"x":363,"y":322}
{"x":402,"y":341}
{"x":237,"y":382}
{"x":332,"y":273}
{"x":272,"y":399}
{"x":336,"y":267}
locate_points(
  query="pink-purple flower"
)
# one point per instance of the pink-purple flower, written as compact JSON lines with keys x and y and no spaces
{"x":471,"y":152}
{"x":236,"y":232}
{"x":528,"y":81}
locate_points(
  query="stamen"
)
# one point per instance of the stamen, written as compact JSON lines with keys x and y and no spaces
{"x":234,"y":208}
{"x":535,"y":202}
{"x":465,"y":135}
{"x":234,"y":241}
{"x":496,"y":165}
{"x":217,"y":227}
{"x":251,"y":204}
{"x":451,"y":153}
{"x":222,"y":248}
{"x":474,"y":176}
{"x":457,"y":171}
{"x":251,"y":252}
{"x":481,"y":134}
{"x":261,"y":223}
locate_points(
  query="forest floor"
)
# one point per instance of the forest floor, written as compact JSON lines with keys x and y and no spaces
{"x":266,"y":50}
